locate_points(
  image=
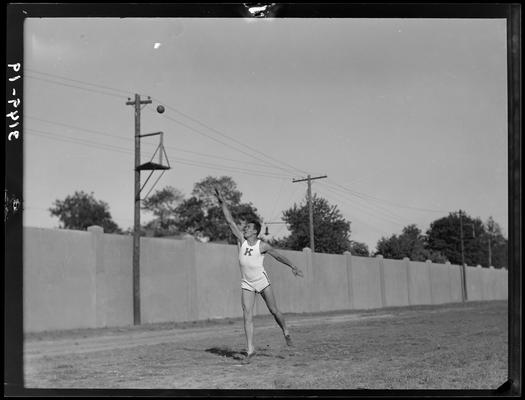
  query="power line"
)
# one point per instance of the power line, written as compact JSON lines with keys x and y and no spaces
{"x":230,"y":169}
{"x":360,"y":195}
{"x":369,"y":204}
{"x":368,"y":197}
{"x":376,"y":208}
{"x":73,"y":86}
{"x":127,"y":139}
{"x":223,"y":143}
{"x":370,"y":212}
{"x":373,"y":210}
{"x":79,"y":141}
{"x":294,"y":192}
{"x":167,"y":106}
{"x":277,"y":199}
{"x":228,"y":137}
{"x":363,"y":220}
{"x":183,"y":161}
{"x":78,"y":81}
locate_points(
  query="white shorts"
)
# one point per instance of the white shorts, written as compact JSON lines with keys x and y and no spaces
{"x":257,"y":285}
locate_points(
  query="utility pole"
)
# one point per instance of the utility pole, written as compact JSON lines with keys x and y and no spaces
{"x":136,"y":227}
{"x":461,"y":237}
{"x":490,"y":249}
{"x":489,"y":240}
{"x":310,"y":206}
{"x":463,"y":266}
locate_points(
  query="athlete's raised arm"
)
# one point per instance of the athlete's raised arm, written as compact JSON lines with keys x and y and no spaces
{"x":266,"y":248}
{"x":233,"y":226}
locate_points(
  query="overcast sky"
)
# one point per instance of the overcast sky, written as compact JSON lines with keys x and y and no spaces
{"x":406,"y":117}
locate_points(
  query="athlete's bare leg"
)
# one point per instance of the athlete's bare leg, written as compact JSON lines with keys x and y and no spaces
{"x":267,"y":295}
{"x":248,"y":301}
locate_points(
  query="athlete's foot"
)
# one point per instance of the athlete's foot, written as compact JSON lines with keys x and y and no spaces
{"x":288,"y":339}
{"x":249,"y":357}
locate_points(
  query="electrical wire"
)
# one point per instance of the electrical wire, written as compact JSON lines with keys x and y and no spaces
{"x":73,"y":86}
{"x":127,"y":139}
{"x":294,"y":169}
{"x":368,"y":211}
{"x":97,"y":145}
{"x":77,"y":81}
{"x":229,"y":138}
{"x":294,"y":192}
{"x":363,"y":221}
{"x":371,"y":209}
{"x":369,"y":197}
{"x":176,"y":160}
{"x":130,"y":139}
{"x":377,"y":208}
{"x":277,"y":199}
{"x":223,"y":143}
{"x":334,"y":186}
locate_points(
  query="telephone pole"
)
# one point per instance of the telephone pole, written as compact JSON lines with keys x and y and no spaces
{"x":489,"y":239}
{"x":310,"y":206}
{"x":136,"y":227}
{"x":461,"y":237}
{"x":490,"y":249}
{"x":463,"y":266}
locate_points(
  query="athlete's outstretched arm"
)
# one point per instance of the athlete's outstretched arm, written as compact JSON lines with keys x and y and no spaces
{"x":266,"y":248}
{"x":233,"y":226}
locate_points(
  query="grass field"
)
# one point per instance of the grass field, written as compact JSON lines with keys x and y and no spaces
{"x":451,"y":346}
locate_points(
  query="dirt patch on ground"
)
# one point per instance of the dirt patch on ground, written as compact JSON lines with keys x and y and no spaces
{"x":458,"y":346}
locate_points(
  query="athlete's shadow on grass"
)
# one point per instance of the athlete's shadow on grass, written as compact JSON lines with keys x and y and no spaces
{"x":227,"y":352}
{"x":238,"y":355}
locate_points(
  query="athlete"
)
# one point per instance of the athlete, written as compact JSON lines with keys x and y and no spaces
{"x":254,"y":278}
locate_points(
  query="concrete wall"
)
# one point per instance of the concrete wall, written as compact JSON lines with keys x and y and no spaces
{"x":75,"y":279}
{"x":59,"y":280}
{"x":440,"y":286}
{"x":165,"y":281}
{"x":454,"y":274}
{"x":486,"y":283}
{"x":419,"y":283}
{"x":396,"y":283}
{"x":293,"y":294}
{"x":474,"y":283}
{"x":366,"y":283}
{"x":217,"y":293}
{"x":331,"y":281}
{"x":114,"y":280}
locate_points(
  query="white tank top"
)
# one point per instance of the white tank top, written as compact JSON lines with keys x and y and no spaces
{"x":251,"y":261}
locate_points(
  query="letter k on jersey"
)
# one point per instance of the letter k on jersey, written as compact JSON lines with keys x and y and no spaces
{"x":248,"y":252}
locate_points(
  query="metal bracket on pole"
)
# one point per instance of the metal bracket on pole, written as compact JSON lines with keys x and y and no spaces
{"x":160,"y":148}
{"x":152,"y":166}
{"x":270,"y":223}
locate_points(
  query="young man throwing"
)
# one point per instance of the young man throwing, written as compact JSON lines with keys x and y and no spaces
{"x":254,"y":278}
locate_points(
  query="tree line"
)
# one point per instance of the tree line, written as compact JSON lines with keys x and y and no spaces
{"x":457,"y":237}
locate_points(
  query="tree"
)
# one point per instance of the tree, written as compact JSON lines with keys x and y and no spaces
{"x":331,"y":230}
{"x":496,"y":245}
{"x":163,"y":204}
{"x":191,"y":217}
{"x":359,"y":249}
{"x":204,"y":191}
{"x":202,"y":216}
{"x":81,"y":210}
{"x":280,"y":243}
{"x":445,"y":236}
{"x":410,"y":243}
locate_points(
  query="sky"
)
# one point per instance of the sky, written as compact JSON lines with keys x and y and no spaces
{"x":407,"y":118}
